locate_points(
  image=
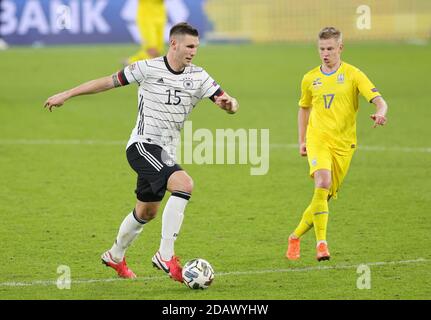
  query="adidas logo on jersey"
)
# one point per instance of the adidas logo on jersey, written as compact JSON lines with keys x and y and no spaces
{"x":160,"y":80}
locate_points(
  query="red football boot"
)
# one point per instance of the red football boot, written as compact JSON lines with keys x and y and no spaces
{"x":171,"y":267}
{"x":122,"y":270}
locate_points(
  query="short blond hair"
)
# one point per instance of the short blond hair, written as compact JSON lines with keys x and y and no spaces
{"x":331,"y":33}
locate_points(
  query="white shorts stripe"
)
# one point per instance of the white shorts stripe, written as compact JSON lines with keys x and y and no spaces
{"x":145,"y":155}
{"x":151,"y":156}
{"x":150,"y":162}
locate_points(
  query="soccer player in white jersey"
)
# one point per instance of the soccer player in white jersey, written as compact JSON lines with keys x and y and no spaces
{"x":169,"y":88}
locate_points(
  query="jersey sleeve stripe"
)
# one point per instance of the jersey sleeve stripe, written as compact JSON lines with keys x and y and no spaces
{"x":218,"y":93}
{"x":122,"y":78}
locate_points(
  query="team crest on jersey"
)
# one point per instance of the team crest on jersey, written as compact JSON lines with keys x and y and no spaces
{"x":314,"y":162}
{"x":166,"y":158}
{"x":132,"y":67}
{"x":317,"y":83}
{"x":188,"y":83}
{"x":340,"y":78}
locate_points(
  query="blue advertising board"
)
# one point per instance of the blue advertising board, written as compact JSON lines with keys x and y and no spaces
{"x":27,"y":22}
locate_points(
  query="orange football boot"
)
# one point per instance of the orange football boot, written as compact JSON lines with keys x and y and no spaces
{"x":322,"y":252}
{"x":293,"y":249}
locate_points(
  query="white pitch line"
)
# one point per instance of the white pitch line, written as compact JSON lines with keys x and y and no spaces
{"x":121,"y":142}
{"x":218,"y":274}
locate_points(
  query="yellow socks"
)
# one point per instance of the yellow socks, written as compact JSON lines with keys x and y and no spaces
{"x":305,"y":224}
{"x":319,"y":210}
{"x":315,"y":215}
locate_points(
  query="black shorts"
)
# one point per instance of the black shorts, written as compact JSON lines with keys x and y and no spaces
{"x":154,"y":167}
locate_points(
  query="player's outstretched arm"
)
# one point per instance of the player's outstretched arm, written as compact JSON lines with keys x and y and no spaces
{"x":226,"y":102}
{"x":90,"y":87}
{"x":379,"y":117}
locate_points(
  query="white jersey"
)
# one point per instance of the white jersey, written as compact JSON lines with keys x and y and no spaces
{"x":165,"y":99}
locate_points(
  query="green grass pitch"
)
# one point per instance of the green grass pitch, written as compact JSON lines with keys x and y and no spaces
{"x":61,"y":203}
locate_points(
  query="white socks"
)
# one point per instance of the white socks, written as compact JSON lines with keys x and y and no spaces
{"x":172,"y":219}
{"x":130,"y":228}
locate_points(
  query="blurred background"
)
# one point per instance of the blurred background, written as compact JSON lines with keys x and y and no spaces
{"x":43,"y":22}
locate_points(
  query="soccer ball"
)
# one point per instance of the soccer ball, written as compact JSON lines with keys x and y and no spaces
{"x":198,"y":274}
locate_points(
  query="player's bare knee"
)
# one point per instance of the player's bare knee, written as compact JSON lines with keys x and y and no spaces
{"x":323,"y":179}
{"x":187,"y":185}
{"x":323,"y":183}
{"x":180,"y":181}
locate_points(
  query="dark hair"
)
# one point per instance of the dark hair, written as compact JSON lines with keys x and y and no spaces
{"x":183,"y":28}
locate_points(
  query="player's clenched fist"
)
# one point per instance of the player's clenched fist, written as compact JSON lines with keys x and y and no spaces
{"x":303,"y":149}
{"x":56,"y":100}
{"x":379,"y":120}
{"x":227,"y":103}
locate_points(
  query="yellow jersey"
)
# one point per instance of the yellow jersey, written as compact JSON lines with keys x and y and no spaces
{"x":152,"y":9}
{"x":334,"y":101}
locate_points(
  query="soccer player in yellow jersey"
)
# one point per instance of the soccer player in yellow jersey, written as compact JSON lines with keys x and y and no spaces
{"x":327,"y":132}
{"x":151,"y":21}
